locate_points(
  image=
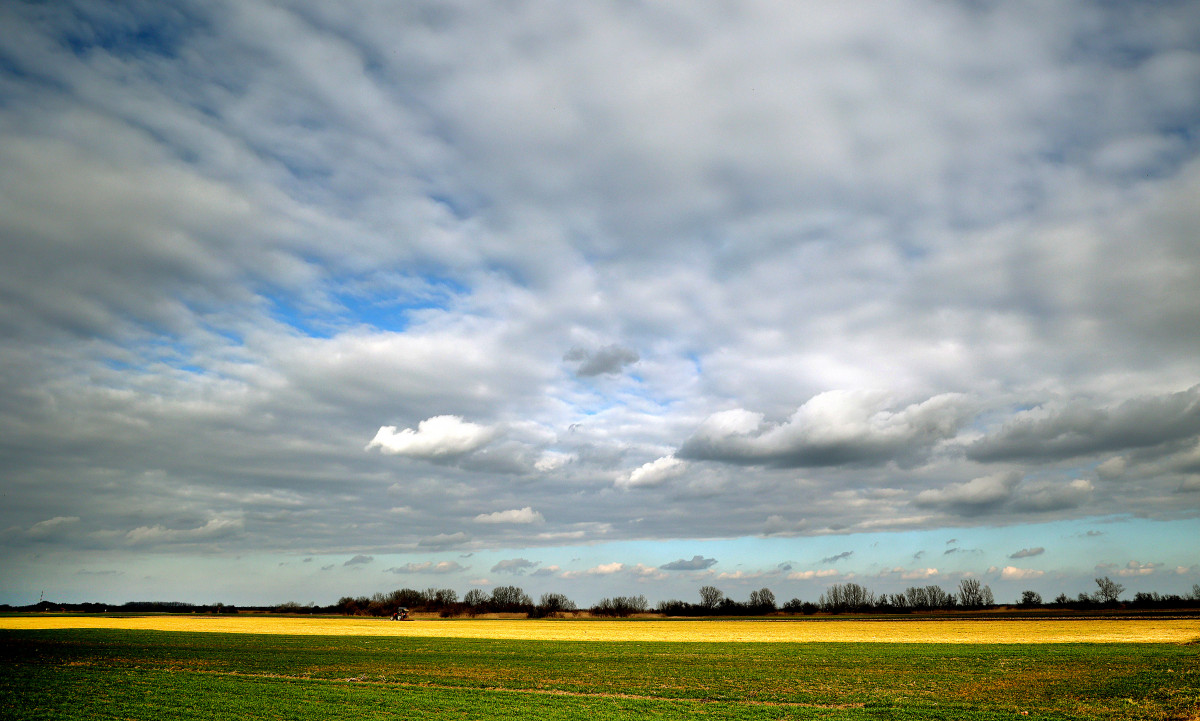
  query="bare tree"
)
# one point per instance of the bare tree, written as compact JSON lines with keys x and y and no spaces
{"x":1109,"y":590}
{"x":438,"y":598}
{"x":1031,"y":598}
{"x":710,"y":597}
{"x":476,"y":599}
{"x":621,"y":606}
{"x":927,"y":597}
{"x":973,"y":594}
{"x":763,"y":598}
{"x":846,"y":597}
{"x":553,"y":603}
{"x":510,"y":599}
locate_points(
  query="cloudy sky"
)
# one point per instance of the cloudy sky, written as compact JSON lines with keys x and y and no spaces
{"x":300,"y":301}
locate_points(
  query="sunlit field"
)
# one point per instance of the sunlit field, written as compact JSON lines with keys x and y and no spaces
{"x":808,"y":630}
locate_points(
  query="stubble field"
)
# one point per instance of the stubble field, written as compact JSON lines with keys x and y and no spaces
{"x":803,"y":630}
{"x":335,"y":668}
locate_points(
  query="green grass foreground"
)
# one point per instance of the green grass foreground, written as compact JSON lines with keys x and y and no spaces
{"x":113,"y":674}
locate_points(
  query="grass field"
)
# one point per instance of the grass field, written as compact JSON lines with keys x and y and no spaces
{"x":102,"y":673}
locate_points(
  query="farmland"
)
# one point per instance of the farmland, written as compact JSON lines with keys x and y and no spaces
{"x":938,"y":630}
{"x":351,"y":668}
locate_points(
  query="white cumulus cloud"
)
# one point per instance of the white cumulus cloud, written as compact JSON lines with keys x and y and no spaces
{"x":436,"y":437}
{"x":653,"y":473}
{"x":604,"y":569}
{"x":1012,"y":573}
{"x":1134,"y":568}
{"x":516,"y":515}
{"x":51,"y":527}
{"x":440,"y":567}
{"x":552,"y":461}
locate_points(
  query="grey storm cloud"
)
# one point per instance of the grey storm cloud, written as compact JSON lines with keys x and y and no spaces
{"x":444,"y":540}
{"x":697,"y":563}
{"x":607,"y":360}
{"x":359,"y":560}
{"x":979,"y":495}
{"x":1028,"y":552}
{"x":1069,"y":430}
{"x":831,"y":429}
{"x":1049,"y":496}
{"x":1006,"y":490}
{"x":515,"y":566}
{"x":838,"y":557}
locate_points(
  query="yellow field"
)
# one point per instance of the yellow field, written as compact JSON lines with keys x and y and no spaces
{"x":1137,"y":630}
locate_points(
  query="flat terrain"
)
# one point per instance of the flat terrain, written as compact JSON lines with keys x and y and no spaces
{"x":799,"y":630}
{"x":107,"y":673}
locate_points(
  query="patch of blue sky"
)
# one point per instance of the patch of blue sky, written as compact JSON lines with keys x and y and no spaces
{"x":1082,"y":547}
{"x":386,"y":303}
{"x":19,"y":76}
{"x":391,"y":302}
{"x":235,"y":338}
{"x":150,"y":355}
{"x":123,"y":366}
{"x":630,"y":393}
{"x":384,"y":313}
{"x":637,"y":395}
{"x":152,"y":30}
{"x":11,"y":69}
{"x":303,"y":317}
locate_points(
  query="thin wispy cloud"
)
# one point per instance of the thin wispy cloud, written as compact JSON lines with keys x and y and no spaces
{"x":697,"y":563}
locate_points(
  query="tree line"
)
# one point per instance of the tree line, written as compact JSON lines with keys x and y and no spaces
{"x":970,"y":594}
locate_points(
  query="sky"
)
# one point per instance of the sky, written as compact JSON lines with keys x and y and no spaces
{"x":307,"y":300}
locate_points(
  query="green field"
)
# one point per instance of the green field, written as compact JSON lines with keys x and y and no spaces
{"x":111,"y":674}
